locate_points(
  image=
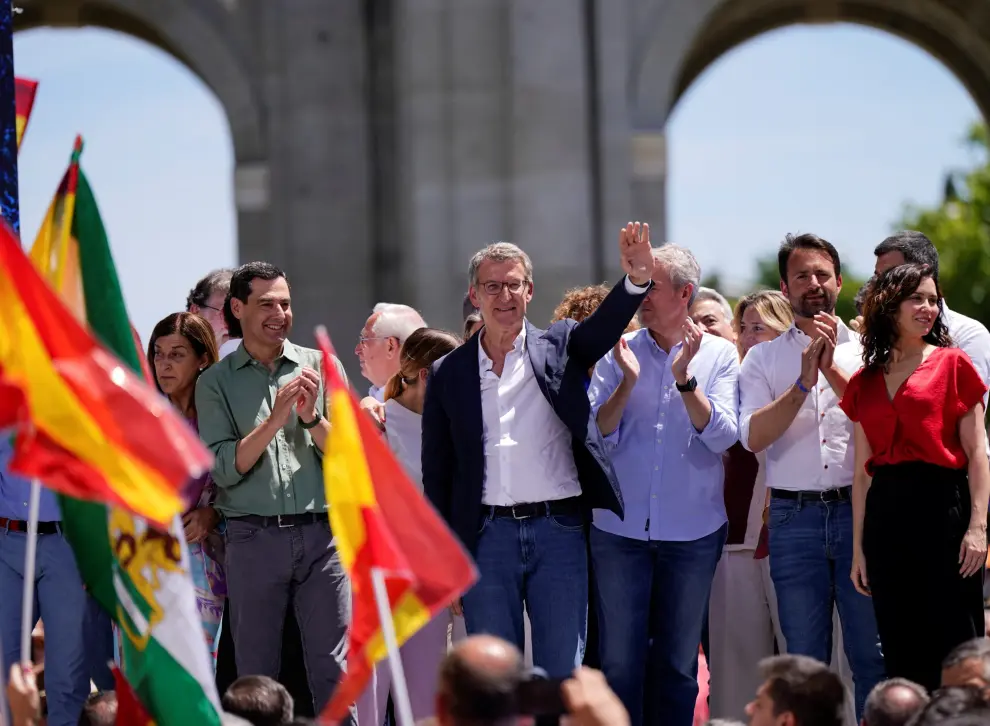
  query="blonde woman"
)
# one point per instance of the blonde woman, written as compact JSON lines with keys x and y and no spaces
{"x":742,"y":617}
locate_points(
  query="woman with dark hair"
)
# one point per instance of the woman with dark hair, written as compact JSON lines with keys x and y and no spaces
{"x":181,"y":347}
{"x":423,"y":653}
{"x":922,"y":480}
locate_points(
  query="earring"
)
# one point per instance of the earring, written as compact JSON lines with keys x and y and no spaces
{"x":202,"y":368}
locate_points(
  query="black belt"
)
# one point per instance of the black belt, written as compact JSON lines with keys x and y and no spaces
{"x":284,"y":520}
{"x":555,"y":508}
{"x":842,"y":494}
{"x":19,"y":525}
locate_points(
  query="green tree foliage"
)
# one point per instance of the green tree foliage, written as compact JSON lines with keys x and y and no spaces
{"x":960,"y":229}
{"x":768,"y":277}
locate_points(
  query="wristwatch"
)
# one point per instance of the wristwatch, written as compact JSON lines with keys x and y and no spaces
{"x":312,"y":424}
{"x":691,"y":384}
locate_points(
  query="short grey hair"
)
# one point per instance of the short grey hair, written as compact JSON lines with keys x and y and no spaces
{"x":683,"y":268}
{"x":707,"y":293}
{"x":975,"y":649}
{"x":396,"y":321}
{"x":499,"y":252}
{"x":880,"y":711}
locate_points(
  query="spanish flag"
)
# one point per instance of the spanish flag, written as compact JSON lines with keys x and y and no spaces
{"x":381,"y":521}
{"x":87,"y":425}
{"x":24,"y":91}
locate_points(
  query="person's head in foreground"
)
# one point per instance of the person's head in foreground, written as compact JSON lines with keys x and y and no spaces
{"x":968,"y":665}
{"x":100,"y":709}
{"x":760,"y":317}
{"x":893,"y":703}
{"x":479,"y":680}
{"x":950,"y":703}
{"x":902,"y":306}
{"x":261,"y":700}
{"x":797,"y":691}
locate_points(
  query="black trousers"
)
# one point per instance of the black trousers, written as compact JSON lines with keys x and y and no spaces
{"x":293,"y":671}
{"x":916,"y":516}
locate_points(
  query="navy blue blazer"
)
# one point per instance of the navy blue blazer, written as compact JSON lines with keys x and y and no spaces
{"x":453,"y":432}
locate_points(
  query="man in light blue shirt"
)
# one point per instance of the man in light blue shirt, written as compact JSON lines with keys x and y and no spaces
{"x":76,"y":630}
{"x":667,"y":402}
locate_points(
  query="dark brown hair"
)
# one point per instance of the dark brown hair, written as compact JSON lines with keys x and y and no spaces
{"x":881,"y":305}
{"x":805,"y":688}
{"x":805,"y":241}
{"x":421,"y":350}
{"x":193,"y":328}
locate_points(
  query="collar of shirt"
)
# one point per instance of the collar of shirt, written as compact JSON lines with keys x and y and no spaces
{"x":241,"y":357}
{"x":518,"y":346}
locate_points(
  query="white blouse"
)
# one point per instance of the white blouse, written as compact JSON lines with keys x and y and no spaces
{"x":404,"y":431}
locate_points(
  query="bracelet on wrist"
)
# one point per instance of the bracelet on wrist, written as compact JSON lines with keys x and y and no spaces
{"x":801,"y":386}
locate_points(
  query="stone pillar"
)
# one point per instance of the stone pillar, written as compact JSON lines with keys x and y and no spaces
{"x":649,"y":182}
{"x":313,"y":81}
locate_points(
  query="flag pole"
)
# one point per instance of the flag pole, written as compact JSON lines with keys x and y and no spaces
{"x":400,"y":692}
{"x":30,"y":557}
{"x":4,"y":677}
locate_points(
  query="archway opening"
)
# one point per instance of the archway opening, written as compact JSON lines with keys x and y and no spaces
{"x":827,"y":128}
{"x":159,"y":155}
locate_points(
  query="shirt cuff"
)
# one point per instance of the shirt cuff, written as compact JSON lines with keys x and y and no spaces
{"x":633,"y":289}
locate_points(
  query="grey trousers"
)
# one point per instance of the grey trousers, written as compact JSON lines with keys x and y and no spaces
{"x":270,"y":569}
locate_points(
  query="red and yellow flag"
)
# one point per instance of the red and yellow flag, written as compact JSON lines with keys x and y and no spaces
{"x":87,"y":427}
{"x":130,"y":712}
{"x":380,"y":520}
{"x":24,"y":91}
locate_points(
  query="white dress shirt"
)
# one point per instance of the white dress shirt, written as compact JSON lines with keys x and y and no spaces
{"x":229,"y":347}
{"x":377,"y":393}
{"x":815,"y":452}
{"x":973,"y":339}
{"x":404,"y":431}
{"x":528,"y":455}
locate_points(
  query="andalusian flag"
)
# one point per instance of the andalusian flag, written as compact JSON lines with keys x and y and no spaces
{"x":380,"y":520}
{"x":24,"y":91}
{"x":138,"y":573}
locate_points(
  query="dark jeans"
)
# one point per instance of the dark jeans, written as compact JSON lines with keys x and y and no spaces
{"x":916,"y":516}
{"x":542,"y":562}
{"x":292,"y":674}
{"x":658,"y":589}
{"x":811,"y":552}
{"x":272,"y":569}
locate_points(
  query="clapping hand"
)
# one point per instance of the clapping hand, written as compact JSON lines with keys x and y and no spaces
{"x":626,"y":360}
{"x":309,"y":387}
{"x":636,"y":252}
{"x":827,"y":330}
{"x":689,"y":347}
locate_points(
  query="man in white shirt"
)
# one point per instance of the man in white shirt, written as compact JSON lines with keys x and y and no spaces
{"x":789,"y":392}
{"x":381,"y":339}
{"x":512,"y":458}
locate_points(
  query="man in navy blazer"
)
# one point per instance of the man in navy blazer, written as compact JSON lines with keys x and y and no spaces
{"x":512,"y":456}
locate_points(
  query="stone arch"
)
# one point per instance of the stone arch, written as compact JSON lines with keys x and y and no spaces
{"x":676,"y":41}
{"x":201,"y":34}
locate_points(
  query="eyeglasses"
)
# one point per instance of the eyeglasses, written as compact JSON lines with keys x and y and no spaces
{"x":365,"y":340}
{"x":494,"y":288}
{"x":210,"y":307}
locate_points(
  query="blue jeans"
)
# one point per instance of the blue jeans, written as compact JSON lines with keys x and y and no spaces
{"x":60,"y":601}
{"x":542,"y":562}
{"x":811,"y":552}
{"x":658,"y":589}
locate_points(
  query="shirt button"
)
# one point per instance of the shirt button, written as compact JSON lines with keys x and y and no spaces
{"x":654,"y":496}
{"x":824,"y":441}
{"x":826,"y":466}
{"x":656,"y":468}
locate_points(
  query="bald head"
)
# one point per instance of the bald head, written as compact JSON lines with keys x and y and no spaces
{"x":478,"y":682}
{"x":894,"y":703}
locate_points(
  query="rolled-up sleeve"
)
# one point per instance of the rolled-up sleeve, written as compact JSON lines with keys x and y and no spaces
{"x":604,"y":381}
{"x":754,"y":390}
{"x":217,"y":430}
{"x":722,"y":429}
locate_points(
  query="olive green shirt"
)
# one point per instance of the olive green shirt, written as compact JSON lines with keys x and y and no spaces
{"x":233,"y":398}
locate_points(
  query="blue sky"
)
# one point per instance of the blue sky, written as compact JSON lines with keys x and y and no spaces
{"x":825,"y":129}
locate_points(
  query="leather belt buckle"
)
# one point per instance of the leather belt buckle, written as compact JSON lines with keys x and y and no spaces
{"x":288,"y":523}
{"x":517,"y":516}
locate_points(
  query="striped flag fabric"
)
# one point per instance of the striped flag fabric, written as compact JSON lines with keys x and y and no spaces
{"x":139,"y":573}
{"x":24,"y":91}
{"x":380,"y":520}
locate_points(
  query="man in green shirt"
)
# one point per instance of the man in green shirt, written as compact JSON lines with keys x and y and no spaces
{"x":262,"y":412}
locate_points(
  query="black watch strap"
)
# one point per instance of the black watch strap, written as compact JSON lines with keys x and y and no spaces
{"x":312,"y":424}
{"x":691,"y":384}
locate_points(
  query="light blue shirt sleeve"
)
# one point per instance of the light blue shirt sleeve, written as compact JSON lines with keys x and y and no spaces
{"x":722,"y":430}
{"x":604,"y":381}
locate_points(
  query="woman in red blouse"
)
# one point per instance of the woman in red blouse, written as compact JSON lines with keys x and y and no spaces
{"x":922,"y":479}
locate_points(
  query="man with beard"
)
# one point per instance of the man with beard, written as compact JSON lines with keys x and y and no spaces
{"x":262,"y":412}
{"x":789,"y":394}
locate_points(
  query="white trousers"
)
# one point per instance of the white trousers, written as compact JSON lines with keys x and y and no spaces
{"x":742,"y":624}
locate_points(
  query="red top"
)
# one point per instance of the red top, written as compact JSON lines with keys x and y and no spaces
{"x":921,"y":423}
